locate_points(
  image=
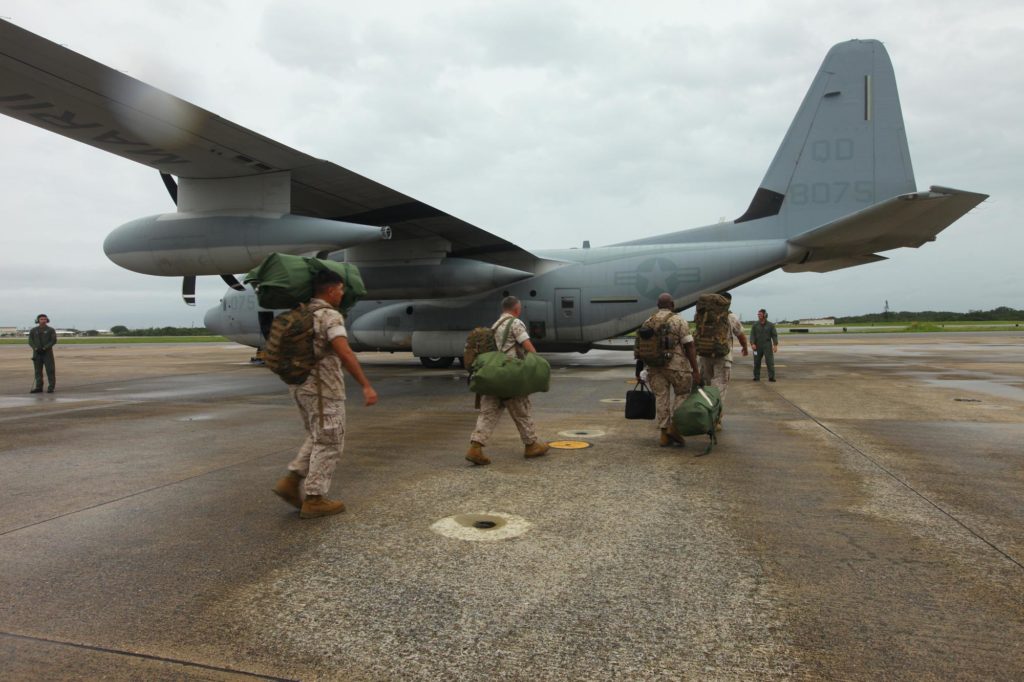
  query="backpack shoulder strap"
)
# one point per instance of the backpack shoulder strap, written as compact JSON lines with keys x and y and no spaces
{"x":508,"y":328}
{"x":507,"y":325}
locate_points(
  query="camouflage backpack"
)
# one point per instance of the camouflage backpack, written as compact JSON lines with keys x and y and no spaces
{"x":653,"y":342}
{"x":713,"y":335}
{"x":480,"y":341}
{"x":290,"y":351}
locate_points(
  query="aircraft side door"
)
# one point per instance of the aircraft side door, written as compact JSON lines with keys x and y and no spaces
{"x":567,"y":315}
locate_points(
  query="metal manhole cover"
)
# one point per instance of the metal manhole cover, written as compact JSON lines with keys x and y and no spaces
{"x":569,"y":444}
{"x":581,"y":433}
{"x":482,"y":527}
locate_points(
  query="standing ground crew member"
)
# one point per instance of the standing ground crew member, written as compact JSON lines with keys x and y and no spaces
{"x":42,"y":338}
{"x":675,"y":340}
{"x":321,"y":402}
{"x":765,"y":342}
{"x":718,"y":371}
{"x":517,"y":341}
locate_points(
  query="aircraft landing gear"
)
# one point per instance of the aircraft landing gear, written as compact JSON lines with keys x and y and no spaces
{"x":437,"y":362}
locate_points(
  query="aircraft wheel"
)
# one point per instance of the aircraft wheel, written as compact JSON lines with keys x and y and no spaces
{"x":437,"y":362}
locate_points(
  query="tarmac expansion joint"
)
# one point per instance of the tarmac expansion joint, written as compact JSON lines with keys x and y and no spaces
{"x":481,"y":527}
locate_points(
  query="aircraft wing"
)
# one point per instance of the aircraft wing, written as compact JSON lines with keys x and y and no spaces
{"x":906,"y":220}
{"x":52,"y":87}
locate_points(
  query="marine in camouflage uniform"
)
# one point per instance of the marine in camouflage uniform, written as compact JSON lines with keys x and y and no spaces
{"x":321,"y":403}
{"x":42,"y":338}
{"x":511,"y":338}
{"x":718,"y":371}
{"x":673,"y":382}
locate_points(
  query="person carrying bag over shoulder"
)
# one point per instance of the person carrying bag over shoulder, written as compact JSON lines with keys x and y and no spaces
{"x":505,"y":378}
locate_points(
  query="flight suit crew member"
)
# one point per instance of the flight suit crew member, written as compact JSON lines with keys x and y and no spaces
{"x":516,"y":343}
{"x":321,"y":402}
{"x":675,"y":377}
{"x":718,"y":371}
{"x":765,"y":342}
{"x":42,"y":338}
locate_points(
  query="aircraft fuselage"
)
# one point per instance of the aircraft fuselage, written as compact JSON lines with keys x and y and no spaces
{"x":582,"y":296}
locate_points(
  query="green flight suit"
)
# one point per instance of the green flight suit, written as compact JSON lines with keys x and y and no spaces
{"x":765,"y":338}
{"x":42,"y":339}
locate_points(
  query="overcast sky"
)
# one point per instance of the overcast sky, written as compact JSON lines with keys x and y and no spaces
{"x":543,"y":121}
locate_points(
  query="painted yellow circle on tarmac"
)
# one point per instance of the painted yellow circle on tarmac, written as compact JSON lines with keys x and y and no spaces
{"x":569,"y":444}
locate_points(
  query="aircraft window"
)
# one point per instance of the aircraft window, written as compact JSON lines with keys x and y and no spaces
{"x":408,"y":310}
{"x":537,"y":330}
{"x":533,"y":293}
{"x":568,"y":302}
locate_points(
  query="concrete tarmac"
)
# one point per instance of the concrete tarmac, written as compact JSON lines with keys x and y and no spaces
{"x":860,"y":519}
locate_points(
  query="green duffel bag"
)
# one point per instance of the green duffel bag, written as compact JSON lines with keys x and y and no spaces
{"x":284,"y":281}
{"x":499,"y":375}
{"x":696,"y":416}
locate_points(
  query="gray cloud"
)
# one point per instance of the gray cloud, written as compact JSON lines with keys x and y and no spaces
{"x":547,"y":123}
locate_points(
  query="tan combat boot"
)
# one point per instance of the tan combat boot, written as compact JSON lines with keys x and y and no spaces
{"x":675,"y":435}
{"x":287,"y":489}
{"x":475,"y":454}
{"x":536,"y":449}
{"x":318,"y":505}
{"x":663,"y":439}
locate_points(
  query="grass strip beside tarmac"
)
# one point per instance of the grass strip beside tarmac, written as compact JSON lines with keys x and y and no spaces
{"x":909,"y":327}
{"x":122,"y":339}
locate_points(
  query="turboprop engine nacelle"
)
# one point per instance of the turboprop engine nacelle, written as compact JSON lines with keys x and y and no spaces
{"x":183,"y":244}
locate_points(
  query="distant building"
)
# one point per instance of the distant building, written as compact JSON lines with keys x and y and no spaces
{"x":8,"y":331}
{"x":818,"y":322}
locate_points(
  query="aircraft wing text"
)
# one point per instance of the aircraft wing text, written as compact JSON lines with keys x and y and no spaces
{"x":52,"y":87}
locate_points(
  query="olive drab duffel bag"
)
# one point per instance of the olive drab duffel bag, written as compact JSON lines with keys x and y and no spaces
{"x":696,"y":416}
{"x":712,"y":335}
{"x":285,"y":281}
{"x":496,"y":374}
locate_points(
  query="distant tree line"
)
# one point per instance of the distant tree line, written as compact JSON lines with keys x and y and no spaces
{"x":1001,"y":313}
{"x":121,"y":330}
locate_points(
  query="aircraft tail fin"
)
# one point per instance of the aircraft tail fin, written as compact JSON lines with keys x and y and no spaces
{"x":845,"y":150}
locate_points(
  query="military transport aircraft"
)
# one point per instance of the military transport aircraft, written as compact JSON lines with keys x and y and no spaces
{"x":840,"y":189}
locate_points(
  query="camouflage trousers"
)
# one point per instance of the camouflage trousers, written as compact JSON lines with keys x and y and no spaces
{"x":670,"y":388}
{"x":322,"y":449}
{"x":717,"y":372}
{"x":490,"y":412}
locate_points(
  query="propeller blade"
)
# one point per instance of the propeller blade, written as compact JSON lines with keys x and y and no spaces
{"x":232,"y":282}
{"x":171,"y":185}
{"x":188,"y":289}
